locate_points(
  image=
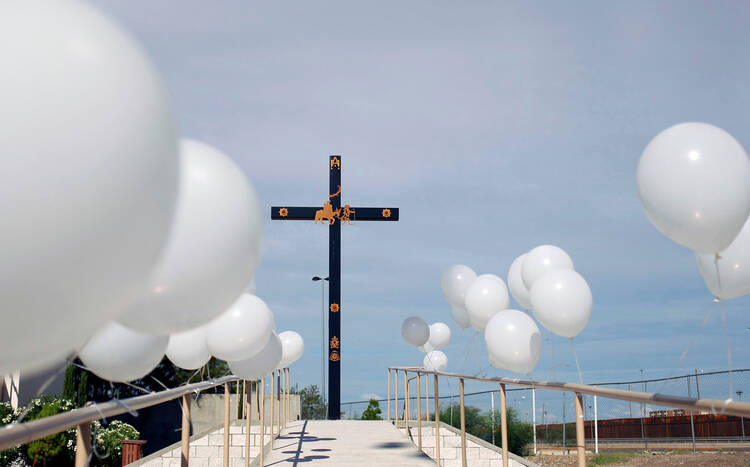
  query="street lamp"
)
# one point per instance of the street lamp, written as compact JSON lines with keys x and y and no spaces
{"x":322,"y":335}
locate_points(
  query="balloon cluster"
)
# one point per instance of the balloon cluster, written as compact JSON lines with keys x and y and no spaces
{"x":428,"y":339}
{"x":694,"y":184}
{"x":123,"y":242}
{"x":543,"y":281}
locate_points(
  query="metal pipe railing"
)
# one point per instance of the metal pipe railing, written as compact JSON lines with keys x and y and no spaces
{"x":728,"y":406}
{"x":81,"y":418}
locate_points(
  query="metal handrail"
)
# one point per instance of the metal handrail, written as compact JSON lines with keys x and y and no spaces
{"x":21,"y":433}
{"x":730,"y":407}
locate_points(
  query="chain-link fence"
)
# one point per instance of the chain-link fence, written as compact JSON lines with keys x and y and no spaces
{"x":609,"y":423}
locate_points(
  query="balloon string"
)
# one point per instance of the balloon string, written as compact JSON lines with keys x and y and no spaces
{"x":466,"y":357}
{"x":687,"y":349}
{"x":729,"y":349}
{"x":578,"y":365}
{"x":554,"y":366}
{"x":724,"y":325}
{"x":45,"y":385}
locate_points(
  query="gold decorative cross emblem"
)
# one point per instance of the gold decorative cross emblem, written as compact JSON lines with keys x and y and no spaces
{"x":334,"y":356}
{"x":283,"y":212}
{"x":334,"y":342}
{"x":335,"y":162}
{"x":386,"y":212}
{"x":334,"y":308}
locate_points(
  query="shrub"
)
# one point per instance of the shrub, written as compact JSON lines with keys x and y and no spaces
{"x":57,"y":449}
{"x":108,"y":441}
{"x":372,"y":412}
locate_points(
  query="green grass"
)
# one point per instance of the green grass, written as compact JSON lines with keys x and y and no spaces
{"x":604,"y":458}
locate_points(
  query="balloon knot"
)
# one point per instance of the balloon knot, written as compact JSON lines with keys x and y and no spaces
{"x":717,"y":299}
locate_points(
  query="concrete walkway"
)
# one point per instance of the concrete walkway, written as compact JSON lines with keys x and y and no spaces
{"x":346,"y":443}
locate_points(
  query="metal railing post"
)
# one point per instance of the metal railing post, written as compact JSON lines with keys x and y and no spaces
{"x":437,"y":422}
{"x":406,"y":402}
{"x":248,"y":422}
{"x":504,"y":424}
{"x":389,"y":395}
{"x":596,"y":428}
{"x":278,"y":396}
{"x":580,"y":435}
{"x":262,"y":415}
{"x":419,"y":413}
{"x":533,"y":414}
{"x":463,"y":422}
{"x":395,"y":385}
{"x":427,"y":397}
{"x":185,"y":430}
{"x":83,"y":445}
{"x":226,"y":424}
{"x":273,"y":405}
{"x":282,"y":399}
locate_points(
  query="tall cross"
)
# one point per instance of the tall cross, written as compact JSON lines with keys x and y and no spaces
{"x":335,"y":216}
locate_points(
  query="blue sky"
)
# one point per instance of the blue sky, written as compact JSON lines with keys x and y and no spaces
{"x":494,"y":126}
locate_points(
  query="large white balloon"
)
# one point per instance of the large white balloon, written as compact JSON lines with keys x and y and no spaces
{"x":694,"y":184}
{"x":542,"y":259}
{"x":440,"y":335}
{"x":460,"y":316}
{"x":455,"y":281}
{"x":415,"y":331}
{"x":116,"y":353}
{"x":242,"y":331}
{"x":188,"y":349}
{"x":435,"y":361}
{"x":733,"y":267}
{"x":515,"y":283}
{"x":561,"y":300}
{"x":486,"y":296}
{"x":513,"y":341}
{"x":293,"y":346}
{"x":89,"y":177}
{"x":213,"y":249}
{"x":262,"y":363}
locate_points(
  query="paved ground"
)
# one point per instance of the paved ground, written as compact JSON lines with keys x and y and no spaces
{"x":346,"y":443}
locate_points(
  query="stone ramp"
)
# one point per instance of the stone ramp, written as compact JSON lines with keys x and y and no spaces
{"x":344,"y":443}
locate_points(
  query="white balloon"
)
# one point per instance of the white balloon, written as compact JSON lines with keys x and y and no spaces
{"x":89,"y":178}
{"x":440,"y":335}
{"x":242,"y":331}
{"x":188,"y":349}
{"x":460,"y":316}
{"x":116,"y":353}
{"x":435,"y":361}
{"x":425,"y":348}
{"x":213,"y":249}
{"x":734,"y":267}
{"x":561,"y":301}
{"x":415,"y":331}
{"x":694,"y":184}
{"x":261,"y":364}
{"x":542,"y":259}
{"x":515,"y":283}
{"x":513,"y":341}
{"x":293,"y":346}
{"x":486,"y":296}
{"x":455,"y":281}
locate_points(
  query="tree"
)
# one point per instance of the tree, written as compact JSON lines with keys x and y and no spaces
{"x":372,"y":412}
{"x":311,"y":402}
{"x":479,"y":424}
